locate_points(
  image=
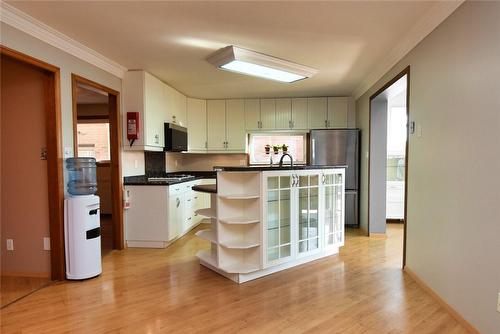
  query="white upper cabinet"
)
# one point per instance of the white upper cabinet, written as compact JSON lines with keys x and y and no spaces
{"x":252,"y":114}
{"x":235,"y":125}
{"x":180,"y":106}
{"x":216,"y":125}
{"x":267,"y":114}
{"x":197,"y":124}
{"x":317,"y":110}
{"x":284,"y":114}
{"x":338,"y":108}
{"x":154,"y":108}
{"x":299,"y":113}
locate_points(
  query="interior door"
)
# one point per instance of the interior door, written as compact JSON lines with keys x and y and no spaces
{"x":216,"y":125}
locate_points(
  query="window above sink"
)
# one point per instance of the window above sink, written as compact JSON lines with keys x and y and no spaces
{"x":295,"y":142}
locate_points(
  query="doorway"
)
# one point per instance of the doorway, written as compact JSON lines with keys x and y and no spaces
{"x":96,"y":125}
{"x":32,"y":251}
{"x":388,"y":159}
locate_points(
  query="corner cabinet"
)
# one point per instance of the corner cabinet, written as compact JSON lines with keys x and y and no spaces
{"x":303,"y":214}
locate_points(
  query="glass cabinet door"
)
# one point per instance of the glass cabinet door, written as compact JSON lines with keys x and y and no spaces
{"x":308,"y":213}
{"x":333,"y":213}
{"x":279,"y":217}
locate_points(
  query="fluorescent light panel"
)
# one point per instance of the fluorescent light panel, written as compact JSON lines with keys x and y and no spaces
{"x":232,"y":58}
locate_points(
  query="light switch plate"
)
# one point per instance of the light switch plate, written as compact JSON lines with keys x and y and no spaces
{"x":46,"y":243}
{"x":68,"y":152}
{"x":10,"y":244}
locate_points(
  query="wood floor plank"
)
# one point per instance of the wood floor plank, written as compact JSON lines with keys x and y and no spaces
{"x":362,"y":290}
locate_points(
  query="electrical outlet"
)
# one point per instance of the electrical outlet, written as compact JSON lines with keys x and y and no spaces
{"x":243,"y":162}
{"x":419,"y":131}
{"x":46,"y":243}
{"x":10,"y":244}
{"x":68,"y":152}
{"x":498,"y":303}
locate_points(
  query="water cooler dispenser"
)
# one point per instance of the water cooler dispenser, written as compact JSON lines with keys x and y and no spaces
{"x":82,"y":220}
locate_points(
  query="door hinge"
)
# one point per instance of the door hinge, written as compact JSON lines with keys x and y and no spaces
{"x":43,"y":153}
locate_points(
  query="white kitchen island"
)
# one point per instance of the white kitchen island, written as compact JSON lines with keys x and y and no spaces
{"x":264,"y":220}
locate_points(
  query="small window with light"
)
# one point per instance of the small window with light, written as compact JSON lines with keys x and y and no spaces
{"x":264,"y":146}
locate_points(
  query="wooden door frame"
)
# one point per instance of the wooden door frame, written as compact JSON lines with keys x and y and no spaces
{"x":115,"y":153}
{"x":55,"y":174}
{"x":401,"y":74}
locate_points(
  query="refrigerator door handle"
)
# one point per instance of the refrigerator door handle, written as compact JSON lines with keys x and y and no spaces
{"x":313,"y":150}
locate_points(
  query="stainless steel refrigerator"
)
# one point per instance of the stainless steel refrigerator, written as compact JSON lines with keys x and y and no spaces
{"x":340,"y":147}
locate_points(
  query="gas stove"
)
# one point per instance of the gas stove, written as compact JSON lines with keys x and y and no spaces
{"x":170,"y":177}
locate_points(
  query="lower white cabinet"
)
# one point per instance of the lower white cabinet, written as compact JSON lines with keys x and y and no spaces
{"x":160,"y":214}
{"x":303,"y":214}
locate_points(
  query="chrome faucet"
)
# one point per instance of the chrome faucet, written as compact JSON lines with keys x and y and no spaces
{"x":284,"y":155}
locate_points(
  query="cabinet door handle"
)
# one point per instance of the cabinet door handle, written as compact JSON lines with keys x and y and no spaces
{"x":326,"y":123}
{"x":178,"y":202}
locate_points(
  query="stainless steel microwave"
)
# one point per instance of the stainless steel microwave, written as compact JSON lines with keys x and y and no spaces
{"x":176,"y":139}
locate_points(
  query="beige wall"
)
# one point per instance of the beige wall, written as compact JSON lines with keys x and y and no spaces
{"x":454,"y":180}
{"x":25,"y":214}
{"x":68,"y":64}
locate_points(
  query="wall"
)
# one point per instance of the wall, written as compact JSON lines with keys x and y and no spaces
{"x":19,"y":41}
{"x":454,"y":181}
{"x":201,"y":162}
{"x":25,"y":214}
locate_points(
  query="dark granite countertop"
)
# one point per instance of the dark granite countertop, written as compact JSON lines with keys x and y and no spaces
{"x":206,"y":188}
{"x":142,"y":180}
{"x":273,"y":168}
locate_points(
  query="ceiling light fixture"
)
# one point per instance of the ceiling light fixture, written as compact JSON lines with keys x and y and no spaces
{"x":235,"y":59}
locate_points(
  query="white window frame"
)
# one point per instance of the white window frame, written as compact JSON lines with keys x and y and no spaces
{"x":250,"y":147}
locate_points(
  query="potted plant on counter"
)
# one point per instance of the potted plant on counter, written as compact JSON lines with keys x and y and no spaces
{"x":267,"y":148}
{"x":276,"y":149}
{"x":284,"y":148}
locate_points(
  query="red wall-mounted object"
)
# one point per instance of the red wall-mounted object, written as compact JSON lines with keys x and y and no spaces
{"x":132,"y":126}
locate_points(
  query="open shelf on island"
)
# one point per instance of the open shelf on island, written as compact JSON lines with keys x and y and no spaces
{"x":207,"y":212}
{"x":206,"y":255}
{"x":207,"y":235}
{"x":239,"y":244}
{"x":239,"y":220}
{"x":240,"y":196}
{"x":240,"y":268}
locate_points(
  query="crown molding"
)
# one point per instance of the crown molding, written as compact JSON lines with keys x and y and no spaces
{"x":31,"y":26}
{"x":433,"y":18}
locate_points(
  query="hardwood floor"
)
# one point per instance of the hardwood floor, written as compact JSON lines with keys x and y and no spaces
{"x":363,"y":290}
{"x":13,"y":288}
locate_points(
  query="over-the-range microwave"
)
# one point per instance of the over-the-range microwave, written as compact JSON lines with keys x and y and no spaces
{"x":176,"y":138}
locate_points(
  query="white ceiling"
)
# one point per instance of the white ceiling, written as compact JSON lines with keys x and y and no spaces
{"x":343,"y":40}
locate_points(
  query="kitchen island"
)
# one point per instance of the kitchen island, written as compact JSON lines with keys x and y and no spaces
{"x":267,"y":219}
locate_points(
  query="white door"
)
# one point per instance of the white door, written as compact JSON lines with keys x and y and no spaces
{"x":175,"y":216}
{"x":197,"y":124}
{"x":235,"y":125}
{"x":252,"y":114}
{"x":216,"y":125}
{"x":337,"y":112}
{"x":154,"y":111}
{"x":299,"y":113}
{"x":283,"y":114}
{"x":317,"y":112}
{"x":278,"y":217}
{"x":268,"y":114}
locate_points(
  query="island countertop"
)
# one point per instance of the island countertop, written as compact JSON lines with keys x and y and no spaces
{"x":273,"y":168}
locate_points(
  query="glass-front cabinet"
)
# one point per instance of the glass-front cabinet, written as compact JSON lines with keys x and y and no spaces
{"x":308,"y":212}
{"x":333,"y":212}
{"x":278,"y":217}
{"x":303,"y":213}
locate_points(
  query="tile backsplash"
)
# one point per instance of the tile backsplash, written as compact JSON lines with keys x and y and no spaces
{"x":201,"y":162}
